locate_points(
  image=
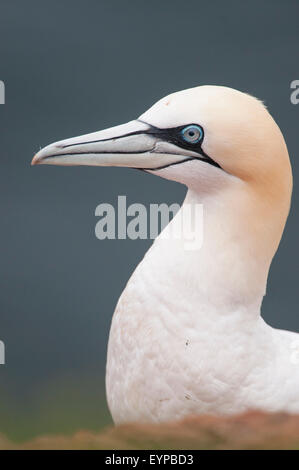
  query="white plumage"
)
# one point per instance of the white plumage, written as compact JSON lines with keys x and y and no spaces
{"x":187,"y":335}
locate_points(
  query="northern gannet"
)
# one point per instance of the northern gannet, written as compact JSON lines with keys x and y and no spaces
{"x":187,"y":336}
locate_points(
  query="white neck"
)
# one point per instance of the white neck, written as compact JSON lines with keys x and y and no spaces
{"x":228,"y":273}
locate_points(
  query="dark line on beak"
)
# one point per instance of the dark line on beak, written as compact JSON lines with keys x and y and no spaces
{"x":106,"y":140}
{"x":166,"y":166}
{"x":97,"y":153}
{"x":210,"y":161}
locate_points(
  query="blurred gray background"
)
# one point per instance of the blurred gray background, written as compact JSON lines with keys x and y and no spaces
{"x":72,"y":67}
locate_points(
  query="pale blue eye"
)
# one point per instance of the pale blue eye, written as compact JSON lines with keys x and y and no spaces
{"x":192,"y":134}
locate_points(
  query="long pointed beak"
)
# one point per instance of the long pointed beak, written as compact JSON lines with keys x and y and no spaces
{"x":135,"y":144}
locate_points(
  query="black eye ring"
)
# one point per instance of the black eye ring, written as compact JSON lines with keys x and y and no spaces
{"x":192,"y":134}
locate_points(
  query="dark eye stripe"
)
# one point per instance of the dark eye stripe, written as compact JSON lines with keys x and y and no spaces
{"x":174,"y":136}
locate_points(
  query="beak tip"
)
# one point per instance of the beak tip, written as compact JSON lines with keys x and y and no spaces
{"x":35,"y":160}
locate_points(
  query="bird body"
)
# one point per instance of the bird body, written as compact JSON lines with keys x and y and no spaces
{"x":187,"y":335}
{"x":200,"y":350}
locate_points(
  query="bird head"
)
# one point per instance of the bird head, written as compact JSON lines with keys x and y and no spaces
{"x":210,"y":138}
{"x":212,"y":130}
